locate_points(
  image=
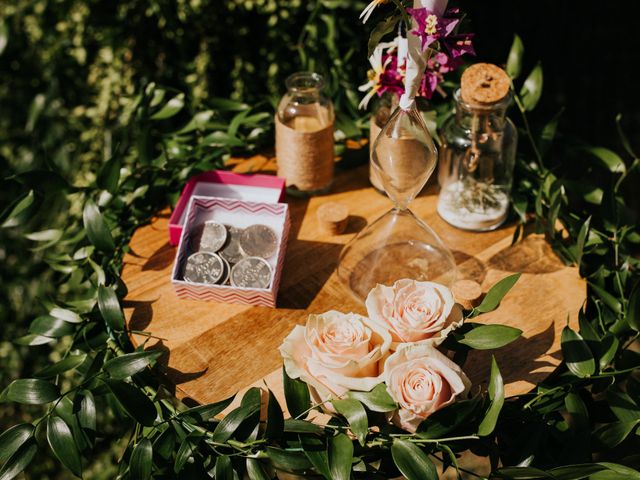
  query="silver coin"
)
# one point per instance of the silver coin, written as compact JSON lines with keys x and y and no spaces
{"x":251,"y":272}
{"x":259,"y":241}
{"x":203,"y":267}
{"x":214,"y":236}
{"x":231,"y":251}
{"x":224,"y":279}
{"x":195,"y":237}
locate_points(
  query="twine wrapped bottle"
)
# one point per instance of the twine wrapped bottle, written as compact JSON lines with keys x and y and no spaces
{"x":304,"y":136}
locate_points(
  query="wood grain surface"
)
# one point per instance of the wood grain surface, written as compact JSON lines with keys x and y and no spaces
{"x":214,"y":349}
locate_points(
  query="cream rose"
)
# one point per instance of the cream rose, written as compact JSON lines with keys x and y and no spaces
{"x":335,"y":353}
{"x":414,"y":311}
{"x":422,"y":380}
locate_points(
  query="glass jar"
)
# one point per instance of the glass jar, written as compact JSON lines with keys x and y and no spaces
{"x":304,"y":136}
{"x":477,"y":159}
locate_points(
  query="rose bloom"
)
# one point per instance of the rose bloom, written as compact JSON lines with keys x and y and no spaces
{"x":335,"y":353}
{"x":414,"y":311}
{"x":422,"y":380}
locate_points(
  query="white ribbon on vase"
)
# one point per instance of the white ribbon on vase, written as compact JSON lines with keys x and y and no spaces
{"x":416,"y":57}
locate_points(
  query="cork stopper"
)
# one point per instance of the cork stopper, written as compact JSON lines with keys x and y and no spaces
{"x":467,"y":293}
{"x":333,"y":217}
{"x":484,"y":84}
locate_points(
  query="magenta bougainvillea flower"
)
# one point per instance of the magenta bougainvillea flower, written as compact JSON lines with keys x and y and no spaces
{"x":432,"y":28}
{"x":438,"y":33}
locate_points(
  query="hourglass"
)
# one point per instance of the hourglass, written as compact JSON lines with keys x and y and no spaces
{"x":398,"y":244}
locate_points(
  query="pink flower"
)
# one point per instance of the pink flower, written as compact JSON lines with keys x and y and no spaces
{"x":422,"y":380}
{"x":432,"y":28}
{"x":335,"y":353}
{"x":414,"y":311}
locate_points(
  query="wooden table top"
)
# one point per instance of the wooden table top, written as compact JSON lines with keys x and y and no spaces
{"x":216,"y":349}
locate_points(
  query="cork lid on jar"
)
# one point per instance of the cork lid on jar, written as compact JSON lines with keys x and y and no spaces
{"x":484,"y":84}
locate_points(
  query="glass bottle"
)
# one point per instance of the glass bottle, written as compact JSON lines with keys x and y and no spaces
{"x":477,"y":159}
{"x":398,"y":244}
{"x":304,"y":136}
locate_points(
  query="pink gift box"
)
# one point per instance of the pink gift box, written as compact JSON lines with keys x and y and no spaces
{"x":230,"y":199}
{"x":223,"y":184}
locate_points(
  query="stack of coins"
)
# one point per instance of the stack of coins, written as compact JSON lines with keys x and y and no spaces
{"x":228,"y":255}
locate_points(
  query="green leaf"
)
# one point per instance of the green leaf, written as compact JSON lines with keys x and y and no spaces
{"x":225,"y":104}
{"x":10,"y":216}
{"x":607,"y":350}
{"x":623,"y":406}
{"x":383,"y":28}
{"x":355,"y":413}
{"x":97,"y":230}
{"x":496,"y":293}
{"x":206,"y":412}
{"x":290,"y":461}
{"x":496,"y":395}
{"x":578,"y":411}
{"x":608,"y":159}
{"x":315,"y":450}
{"x":11,"y":440}
{"x":448,"y":419}
{"x":615,"y":472}
{"x":340,"y":457}
{"x":224,"y":470}
{"x":31,"y":391}
{"x":187,"y":449}
{"x":4,"y":36}
{"x":412,"y":462}
{"x":127,"y":365}
{"x":164,"y":444}
{"x":51,"y":327}
{"x":612,"y":434}
{"x":296,"y":394}
{"x":275,"y":419}
{"x":633,"y":308}
{"x":580,"y":242}
{"x":292,"y":425}
{"x":532,"y":89}
{"x":51,"y":235}
{"x":137,"y":405}
{"x":110,"y":308}
{"x":577,"y":354}
{"x":33,"y":340}
{"x":576,"y":472}
{"x":68,"y":363}
{"x":609,"y":300}
{"x":86,"y":410}
{"x":19,"y":460}
{"x":171,"y":108}
{"x":141,"y":460}
{"x":514,"y":62}
{"x":63,"y":446}
{"x":66,"y":315}
{"x":486,"y":337}
{"x":521,"y":473}
{"x":109,"y":174}
{"x":229,"y":424}
{"x":255,"y":471}
{"x":377,"y":400}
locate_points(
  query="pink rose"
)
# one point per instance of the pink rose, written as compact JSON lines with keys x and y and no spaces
{"x":414,"y":311}
{"x":335,"y":353}
{"x":422,"y":380}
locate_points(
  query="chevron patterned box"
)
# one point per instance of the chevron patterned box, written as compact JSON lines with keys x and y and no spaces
{"x":240,"y":214}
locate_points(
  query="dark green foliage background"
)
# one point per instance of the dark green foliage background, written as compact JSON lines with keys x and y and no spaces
{"x":67,"y":71}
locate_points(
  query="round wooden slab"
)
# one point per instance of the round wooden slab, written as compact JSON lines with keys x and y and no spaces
{"x":215,"y":349}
